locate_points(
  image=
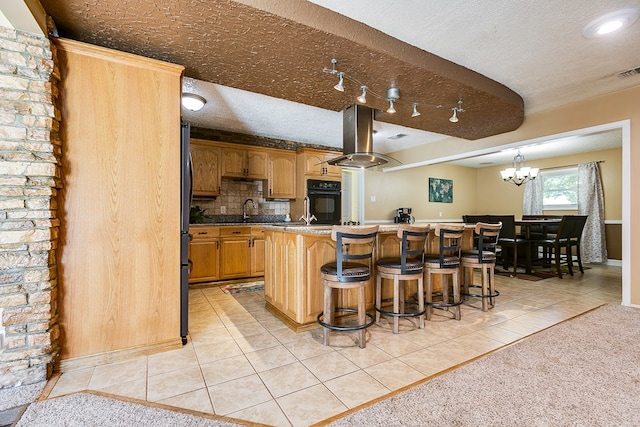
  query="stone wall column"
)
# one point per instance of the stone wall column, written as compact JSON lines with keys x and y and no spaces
{"x":30,"y":154}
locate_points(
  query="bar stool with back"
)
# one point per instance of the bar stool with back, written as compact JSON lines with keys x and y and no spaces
{"x":350,"y":270}
{"x":484,"y":258}
{"x":445,"y":263}
{"x":408,"y":266}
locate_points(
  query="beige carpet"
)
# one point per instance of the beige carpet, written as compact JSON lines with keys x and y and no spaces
{"x":88,"y":409}
{"x":583,"y":372}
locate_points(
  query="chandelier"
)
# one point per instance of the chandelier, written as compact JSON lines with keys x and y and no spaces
{"x":519,"y":173}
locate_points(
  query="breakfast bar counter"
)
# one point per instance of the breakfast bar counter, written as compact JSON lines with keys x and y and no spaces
{"x":294,"y":253}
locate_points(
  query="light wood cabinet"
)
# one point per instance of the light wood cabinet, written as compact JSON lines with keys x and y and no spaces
{"x":257,"y":251}
{"x":204,"y":254}
{"x":205,"y":160}
{"x":282,"y":175}
{"x":119,"y":288}
{"x":244,"y":163}
{"x":316,"y":166}
{"x":235,"y":252}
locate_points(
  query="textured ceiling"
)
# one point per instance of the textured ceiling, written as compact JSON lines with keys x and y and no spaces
{"x":535,"y":48}
{"x":279,"y":49}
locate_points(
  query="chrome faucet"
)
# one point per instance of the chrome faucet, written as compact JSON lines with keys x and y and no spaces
{"x":307,"y":217}
{"x":245,"y":215}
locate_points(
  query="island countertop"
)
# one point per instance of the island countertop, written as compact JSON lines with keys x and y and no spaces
{"x":326,"y":229}
{"x":294,"y":254}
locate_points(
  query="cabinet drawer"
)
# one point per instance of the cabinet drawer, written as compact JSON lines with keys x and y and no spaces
{"x":204,"y":233}
{"x":235,"y":231}
{"x":257,"y":232}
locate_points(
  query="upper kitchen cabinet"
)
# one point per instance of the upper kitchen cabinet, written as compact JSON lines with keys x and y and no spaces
{"x":244,"y":163}
{"x":119,"y":204}
{"x":282,"y":175}
{"x":314,"y":164}
{"x":205,"y":159}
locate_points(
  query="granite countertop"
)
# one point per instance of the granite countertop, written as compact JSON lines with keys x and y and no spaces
{"x":326,"y":229}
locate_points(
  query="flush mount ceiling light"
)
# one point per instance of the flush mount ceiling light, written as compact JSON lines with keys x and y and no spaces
{"x":611,"y":22}
{"x":518,"y":174}
{"x":193,"y":102}
{"x":392,"y":94}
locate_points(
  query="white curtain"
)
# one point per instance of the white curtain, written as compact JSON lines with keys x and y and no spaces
{"x":532,"y":197}
{"x":591,"y":202}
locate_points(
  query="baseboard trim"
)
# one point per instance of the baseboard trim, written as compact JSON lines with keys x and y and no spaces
{"x":92,"y":360}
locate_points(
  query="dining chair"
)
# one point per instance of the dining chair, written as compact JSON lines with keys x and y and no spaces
{"x":350,"y":270}
{"x":569,"y":236}
{"x":407,"y":267}
{"x":509,"y":241}
{"x":483,"y":257}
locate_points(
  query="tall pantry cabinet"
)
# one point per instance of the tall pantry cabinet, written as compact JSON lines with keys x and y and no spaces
{"x":119,"y":254}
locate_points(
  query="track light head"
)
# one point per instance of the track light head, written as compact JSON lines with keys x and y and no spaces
{"x":454,"y":117}
{"x":363,"y":97}
{"x":415,"y":113}
{"x":340,"y":86}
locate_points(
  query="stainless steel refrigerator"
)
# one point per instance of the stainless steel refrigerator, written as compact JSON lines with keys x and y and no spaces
{"x":186,"y":182}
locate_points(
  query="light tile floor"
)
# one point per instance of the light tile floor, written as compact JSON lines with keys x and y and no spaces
{"x":244,"y":363}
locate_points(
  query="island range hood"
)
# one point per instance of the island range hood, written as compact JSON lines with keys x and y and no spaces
{"x":357,"y":141}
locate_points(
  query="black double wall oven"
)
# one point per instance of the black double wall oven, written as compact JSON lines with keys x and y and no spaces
{"x":324,"y":200}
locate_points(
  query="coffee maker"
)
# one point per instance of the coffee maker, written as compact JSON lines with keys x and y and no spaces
{"x":403,"y":215}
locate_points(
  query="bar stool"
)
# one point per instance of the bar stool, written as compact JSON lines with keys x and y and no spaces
{"x":445,"y":263}
{"x":484,"y":258}
{"x":351,"y":270}
{"x":408,"y":266}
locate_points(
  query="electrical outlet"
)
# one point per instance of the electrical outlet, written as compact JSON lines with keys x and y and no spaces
{"x":440,"y":214}
{"x":223,"y":210}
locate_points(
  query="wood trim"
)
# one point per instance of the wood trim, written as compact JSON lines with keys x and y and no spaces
{"x":128,"y":59}
{"x":115,"y":356}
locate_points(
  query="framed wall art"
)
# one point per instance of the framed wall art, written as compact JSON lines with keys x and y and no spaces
{"x":440,"y":190}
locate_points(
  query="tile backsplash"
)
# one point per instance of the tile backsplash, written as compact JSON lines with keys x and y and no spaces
{"x":233,"y":193}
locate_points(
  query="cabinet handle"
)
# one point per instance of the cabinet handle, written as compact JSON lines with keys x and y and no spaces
{"x":249,"y":243}
{"x":202,"y":232}
{"x":235,"y":232}
{"x":217,"y":244}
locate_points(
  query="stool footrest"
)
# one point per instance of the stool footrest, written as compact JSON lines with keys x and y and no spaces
{"x":443,"y":304}
{"x":394,"y":314}
{"x":371,"y":321}
{"x":467,"y":294}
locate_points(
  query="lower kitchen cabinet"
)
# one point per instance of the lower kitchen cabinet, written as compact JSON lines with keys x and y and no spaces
{"x":257,"y":251}
{"x":204,"y":254}
{"x":225,"y":252}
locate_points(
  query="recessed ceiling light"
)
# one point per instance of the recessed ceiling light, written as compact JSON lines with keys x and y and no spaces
{"x":611,"y":22}
{"x":193,"y":102}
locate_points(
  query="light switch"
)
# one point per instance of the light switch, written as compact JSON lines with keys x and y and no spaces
{"x":373,"y":199}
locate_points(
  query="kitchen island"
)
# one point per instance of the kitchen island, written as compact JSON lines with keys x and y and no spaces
{"x":293,"y":287}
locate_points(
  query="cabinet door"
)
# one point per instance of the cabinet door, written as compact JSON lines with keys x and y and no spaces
{"x":256,"y":164}
{"x":235,"y":257}
{"x":204,"y":256}
{"x":206,"y":172}
{"x":257,"y":256}
{"x":282,"y":176}
{"x":233,"y":163}
{"x":316,"y":166}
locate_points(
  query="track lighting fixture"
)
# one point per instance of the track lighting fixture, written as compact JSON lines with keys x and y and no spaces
{"x":340,"y":85}
{"x":363,"y":97}
{"x":391,"y":108}
{"x":456,"y":110}
{"x":415,"y":113}
{"x":392,"y":95}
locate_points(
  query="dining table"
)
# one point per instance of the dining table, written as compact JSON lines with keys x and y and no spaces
{"x":536,"y":229}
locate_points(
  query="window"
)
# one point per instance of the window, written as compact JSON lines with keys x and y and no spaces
{"x":559,"y":189}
